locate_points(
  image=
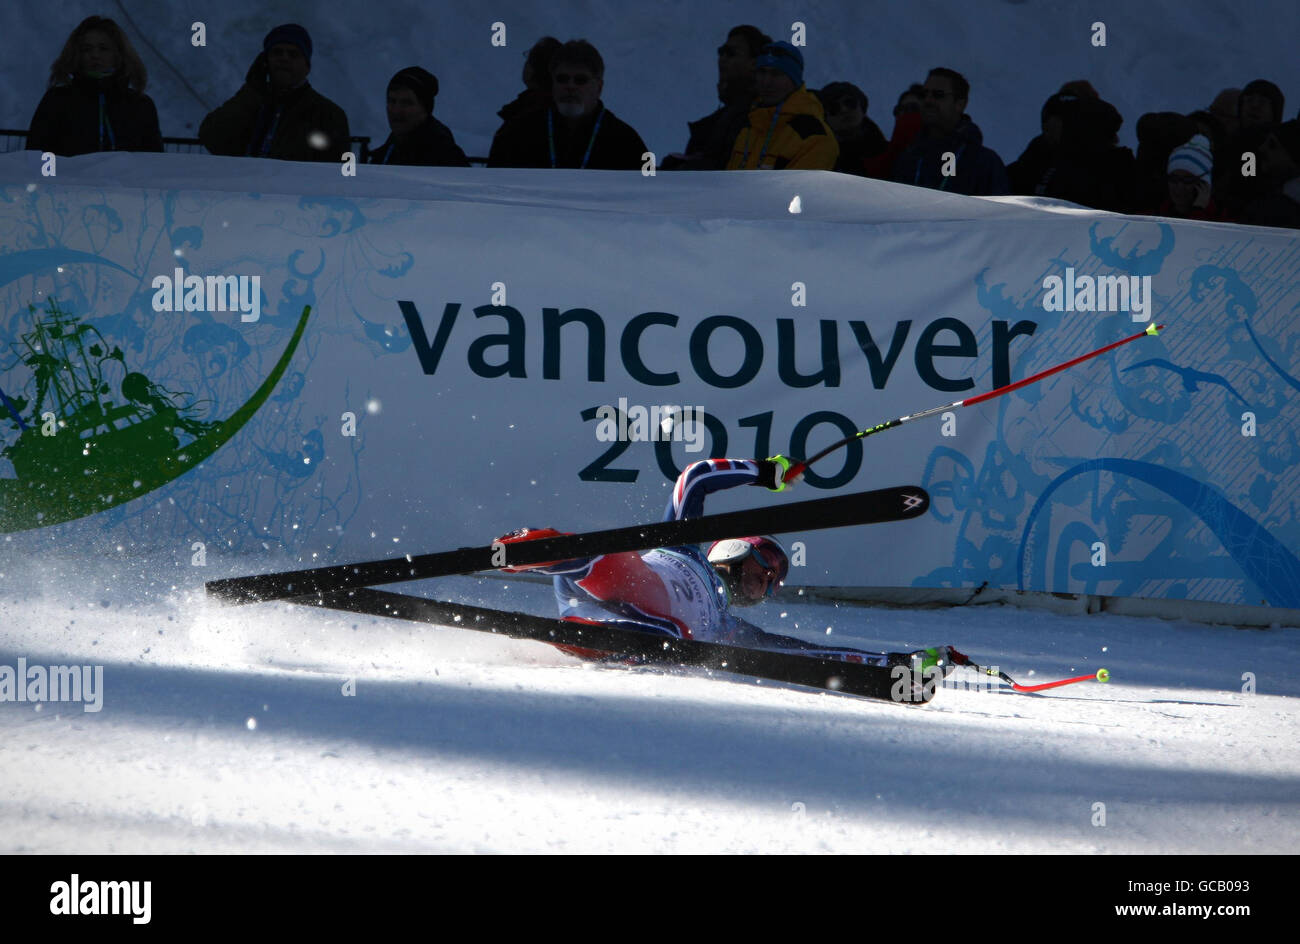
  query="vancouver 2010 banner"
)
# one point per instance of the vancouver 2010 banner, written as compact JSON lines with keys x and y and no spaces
{"x":284,"y":362}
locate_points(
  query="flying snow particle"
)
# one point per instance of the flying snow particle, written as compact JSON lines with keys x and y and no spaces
{"x":318,"y":141}
{"x":251,"y":724}
{"x":796,"y":205}
{"x":373,"y":406}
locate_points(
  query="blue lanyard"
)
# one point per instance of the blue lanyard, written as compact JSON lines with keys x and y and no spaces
{"x":270,"y":133}
{"x":766,"y":141}
{"x":550,"y":135}
{"x":105,"y":126}
{"x":387,"y":151}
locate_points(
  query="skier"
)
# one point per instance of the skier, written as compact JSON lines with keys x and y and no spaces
{"x":688,"y":592}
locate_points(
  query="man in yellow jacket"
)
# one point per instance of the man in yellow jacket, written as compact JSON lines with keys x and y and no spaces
{"x":786,"y":129}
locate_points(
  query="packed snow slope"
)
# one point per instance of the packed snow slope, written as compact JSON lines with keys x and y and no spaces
{"x":1160,"y":55}
{"x":227,"y":729}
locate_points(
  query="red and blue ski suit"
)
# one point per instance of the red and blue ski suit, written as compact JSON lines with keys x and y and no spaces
{"x":674,"y":590}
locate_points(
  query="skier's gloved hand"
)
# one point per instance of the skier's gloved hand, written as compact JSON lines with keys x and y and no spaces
{"x":772,"y":473}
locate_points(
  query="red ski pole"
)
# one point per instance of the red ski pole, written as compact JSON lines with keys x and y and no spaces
{"x":798,"y":468}
{"x":1101,"y":675}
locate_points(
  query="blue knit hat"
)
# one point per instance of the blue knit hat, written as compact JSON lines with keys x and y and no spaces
{"x":784,"y":58}
{"x":1194,"y":157}
{"x":290,"y":33}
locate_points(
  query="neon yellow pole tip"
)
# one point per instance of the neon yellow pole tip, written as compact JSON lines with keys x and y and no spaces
{"x":1103,"y":675}
{"x":1154,"y":329}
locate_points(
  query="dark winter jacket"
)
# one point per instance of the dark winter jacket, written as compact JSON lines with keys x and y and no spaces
{"x":907,"y":128}
{"x":430,"y":145}
{"x":979,"y":170}
{"x":1086,"y":167}
{"x":525,"y":142}
{"x":260,"y":123}
{"x":68,"y":119}
{"x":855,"y":153}
{"x":712,"y":137}
{"x":789,"y":136}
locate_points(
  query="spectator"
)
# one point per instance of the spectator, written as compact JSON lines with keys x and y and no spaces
{"x":859,"y":138}
{"x":1158,"y":134}
{"x":907,"y":128}
{"x":536,"y":96}
{"x":95,"y":100}
{"x":1260,"y":105}
{"x":947,"y":129}
{"x":712,"y":136}
{"x":1278,"y":200}
{"x":576,"y":130}
{"x":785,"y":130}
{"x":1224,"y":108}
{"x":1191,"y":168}
{"x":277,"y":113}
{"x":417,"y":137}
{"x":1076,"y":158}
{"x":1259,"y":109}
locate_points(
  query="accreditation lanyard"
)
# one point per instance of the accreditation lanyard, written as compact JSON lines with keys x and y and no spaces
{"x":550,"y":135}
{"x":265,"y":149}
{"x":766,"y":141}
{"x":105,"y":127}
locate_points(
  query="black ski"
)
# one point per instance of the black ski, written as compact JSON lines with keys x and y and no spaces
{"x":902,"y":682}
{"x":885,"y":504}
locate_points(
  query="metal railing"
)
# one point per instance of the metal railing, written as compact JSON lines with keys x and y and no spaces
{"x":15,"y":139}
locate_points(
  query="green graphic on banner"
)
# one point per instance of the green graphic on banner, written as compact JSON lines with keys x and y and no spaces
{"x":86,"y":447}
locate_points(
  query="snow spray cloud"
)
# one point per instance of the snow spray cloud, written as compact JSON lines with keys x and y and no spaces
{"x":55,"y":683}
{"x":651,"y":424}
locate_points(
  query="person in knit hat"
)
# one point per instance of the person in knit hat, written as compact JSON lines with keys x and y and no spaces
{"x":277,"y":113}
{"x":1190,"y":171}
{"x":787,"y":128}
{"x":416,"y":138}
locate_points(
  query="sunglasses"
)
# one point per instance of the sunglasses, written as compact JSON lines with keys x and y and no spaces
{"x":845,"y":106}
{"x":564,"y":78}
{"x":937,"y":94}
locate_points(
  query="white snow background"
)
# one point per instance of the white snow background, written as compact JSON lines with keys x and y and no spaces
{"x":225,"y":729}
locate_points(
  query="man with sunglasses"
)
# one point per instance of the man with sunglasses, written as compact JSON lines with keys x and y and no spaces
{"x":689,"y":591}
{"x":946,"y":129}
{"x":786,"y":130}
{"x":859,"y":138}
{"x":709,"y":146}
{"x":576,"y":130}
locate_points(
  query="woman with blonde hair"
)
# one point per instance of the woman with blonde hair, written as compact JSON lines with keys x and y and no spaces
{"x":96,"y":99}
